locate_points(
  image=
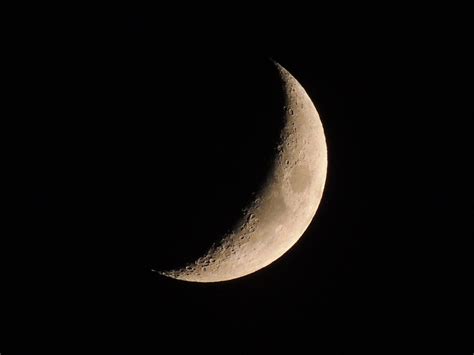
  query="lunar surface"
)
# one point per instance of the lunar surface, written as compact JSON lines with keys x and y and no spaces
{"x":285,"y":205}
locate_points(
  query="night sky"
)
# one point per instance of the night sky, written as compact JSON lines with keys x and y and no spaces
{"x":132,"y":142}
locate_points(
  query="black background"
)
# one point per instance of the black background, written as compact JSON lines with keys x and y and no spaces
{"x":131,"y":140}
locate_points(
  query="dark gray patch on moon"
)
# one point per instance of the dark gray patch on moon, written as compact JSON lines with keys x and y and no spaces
{"x":300,"y":178}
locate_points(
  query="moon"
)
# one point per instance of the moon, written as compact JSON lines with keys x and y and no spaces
{"x":284,"y":206}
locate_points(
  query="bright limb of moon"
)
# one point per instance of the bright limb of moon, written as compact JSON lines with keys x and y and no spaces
{"x":285,"y":205}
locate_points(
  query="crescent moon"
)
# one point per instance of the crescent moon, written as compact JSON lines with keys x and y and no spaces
{"x":285,"y":205}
